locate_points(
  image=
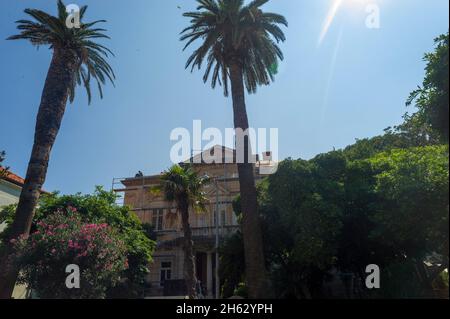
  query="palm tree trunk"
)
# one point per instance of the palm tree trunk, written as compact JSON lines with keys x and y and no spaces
{"x":251,"y":229}
{"x":48,"y":122}
{"x":189,"y":259}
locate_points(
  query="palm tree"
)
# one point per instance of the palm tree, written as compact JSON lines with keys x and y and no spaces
{"x":76,"y":60}
{"x":181,"y":185}
{"x":239,"y":46}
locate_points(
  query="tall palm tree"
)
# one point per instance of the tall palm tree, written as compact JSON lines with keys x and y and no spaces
{"x":77,"y":59}
{"x":181,"y":185}
{"x":239,"y":44}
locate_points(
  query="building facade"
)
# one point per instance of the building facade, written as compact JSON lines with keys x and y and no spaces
{"x":166,"y":277}
{"x":10,"y":189}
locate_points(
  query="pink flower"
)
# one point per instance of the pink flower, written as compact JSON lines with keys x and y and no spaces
{"x":72,"y":209}
{"x":83,"y":254}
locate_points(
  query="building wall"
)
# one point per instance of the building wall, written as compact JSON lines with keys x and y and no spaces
{"x":9,"y":194}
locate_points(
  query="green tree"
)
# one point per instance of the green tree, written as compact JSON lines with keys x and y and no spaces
{"x":412,"y":217}
{"x":432,"y":98}
{"x":77,"y":59}
{"x":411,"y":133}
{"x":239,"y":47}
{"x":182,"y":186}
{"x":2,"y":169}
{"x":307,"y":198}
{"x":301,"y":214}
{"x":2,"y":157}
{"x":100,"y":207}
{"x":390,"y":209}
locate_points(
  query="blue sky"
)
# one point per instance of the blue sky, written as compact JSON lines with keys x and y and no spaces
{"x":351,"y":86}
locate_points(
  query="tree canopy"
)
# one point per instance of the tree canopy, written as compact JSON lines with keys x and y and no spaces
{"x":78,"y":43}
{"x":432,"y":98}
{"x":335,"y":212}
{"x":235,"y":34}
{"x":183,"y":186}
{"x":2,"y":158}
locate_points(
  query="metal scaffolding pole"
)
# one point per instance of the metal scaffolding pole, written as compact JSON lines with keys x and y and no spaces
{"x":217,"y":293}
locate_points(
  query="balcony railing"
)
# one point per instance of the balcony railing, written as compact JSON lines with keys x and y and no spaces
{"x":224,"y":231}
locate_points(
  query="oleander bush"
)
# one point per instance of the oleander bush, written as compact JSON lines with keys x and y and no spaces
{"x":63,"y":239}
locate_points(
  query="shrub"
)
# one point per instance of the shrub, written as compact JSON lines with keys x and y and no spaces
{"x":63,"y":239}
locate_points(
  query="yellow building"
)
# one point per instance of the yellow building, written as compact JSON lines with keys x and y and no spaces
{"x":166,"y":272}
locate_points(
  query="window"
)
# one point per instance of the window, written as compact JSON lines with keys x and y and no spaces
{"x":157,"y":219}
{"x":223,"y":216}
{"x":165,"y":272}
{"x":147,"y":217}
{"x":214,"y":221}
{"x":202,"y":220}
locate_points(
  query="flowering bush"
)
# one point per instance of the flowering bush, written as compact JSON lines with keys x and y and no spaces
{"x":63,"y":239}
{"x":99,"y":208}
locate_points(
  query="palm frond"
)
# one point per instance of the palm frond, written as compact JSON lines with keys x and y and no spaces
{"x":181,"y":185}
{"x":233,"y":33}
{"x":89,"y":56}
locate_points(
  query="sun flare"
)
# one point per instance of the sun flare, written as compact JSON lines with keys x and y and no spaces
{"x":334,"y":9}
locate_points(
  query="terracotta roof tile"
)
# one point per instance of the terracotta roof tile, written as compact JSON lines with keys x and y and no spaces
{"x":11,"y":177}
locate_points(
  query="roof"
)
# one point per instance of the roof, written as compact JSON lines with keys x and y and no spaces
{"x":216,"y":154}
{"x":129,"y":181}
{"x":11,"y":177}
{"x":14,"y":179}
{"x":223,"y":155}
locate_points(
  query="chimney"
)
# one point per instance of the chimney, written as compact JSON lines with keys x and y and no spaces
{"x":267,"y":156}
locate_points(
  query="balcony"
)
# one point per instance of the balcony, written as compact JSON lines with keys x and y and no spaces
{"x":204,"y":237}
{"x":207,"y":232}
{"x":224,"y":231}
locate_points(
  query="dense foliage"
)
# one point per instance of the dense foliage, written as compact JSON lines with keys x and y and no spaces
{"x":2,"y":157}
{"x":335,"y":214}
{"x":63,"y":239}
{"x":432,"y":98}
{"x":99,"y":208}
